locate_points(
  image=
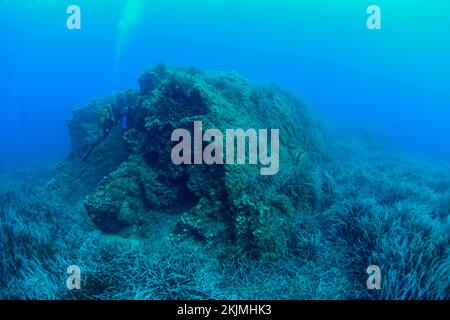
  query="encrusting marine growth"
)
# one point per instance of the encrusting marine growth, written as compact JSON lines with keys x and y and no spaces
{"x":128,"y":179}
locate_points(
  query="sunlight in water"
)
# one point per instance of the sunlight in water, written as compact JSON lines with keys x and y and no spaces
{"x":126,"y":25}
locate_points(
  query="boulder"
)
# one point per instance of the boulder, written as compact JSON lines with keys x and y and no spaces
{"x":129,"y":180}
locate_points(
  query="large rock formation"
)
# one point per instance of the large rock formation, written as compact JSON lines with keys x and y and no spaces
{"x":130,"y":187}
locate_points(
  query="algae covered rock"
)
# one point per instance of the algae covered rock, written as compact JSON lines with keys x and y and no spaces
{"x":128,"y":178}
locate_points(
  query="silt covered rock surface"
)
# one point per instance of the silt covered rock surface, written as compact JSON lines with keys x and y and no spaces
{"x":130,"y":188}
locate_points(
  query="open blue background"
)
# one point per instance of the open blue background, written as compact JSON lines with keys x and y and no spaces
{"x":394,"y":80}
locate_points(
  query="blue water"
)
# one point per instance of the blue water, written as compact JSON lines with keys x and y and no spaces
{"x":393,"y":80}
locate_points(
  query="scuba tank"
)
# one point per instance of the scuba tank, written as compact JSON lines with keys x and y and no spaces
{"x":110,"y":120}
{"x":124,"y":119}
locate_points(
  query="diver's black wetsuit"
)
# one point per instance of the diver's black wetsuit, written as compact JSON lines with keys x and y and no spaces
{"x":108,"y":126}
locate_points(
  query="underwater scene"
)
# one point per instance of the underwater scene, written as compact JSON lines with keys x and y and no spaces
{"x":224,"y":150}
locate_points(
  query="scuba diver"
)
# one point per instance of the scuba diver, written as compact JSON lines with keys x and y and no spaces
{"x":108,"y":120}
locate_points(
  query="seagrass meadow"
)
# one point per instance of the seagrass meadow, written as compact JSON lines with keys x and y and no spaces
{"x":224,"y":150}
{"x":141,"y":227}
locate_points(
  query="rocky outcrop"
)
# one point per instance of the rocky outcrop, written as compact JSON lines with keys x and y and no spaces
{"x":127,"y":179}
